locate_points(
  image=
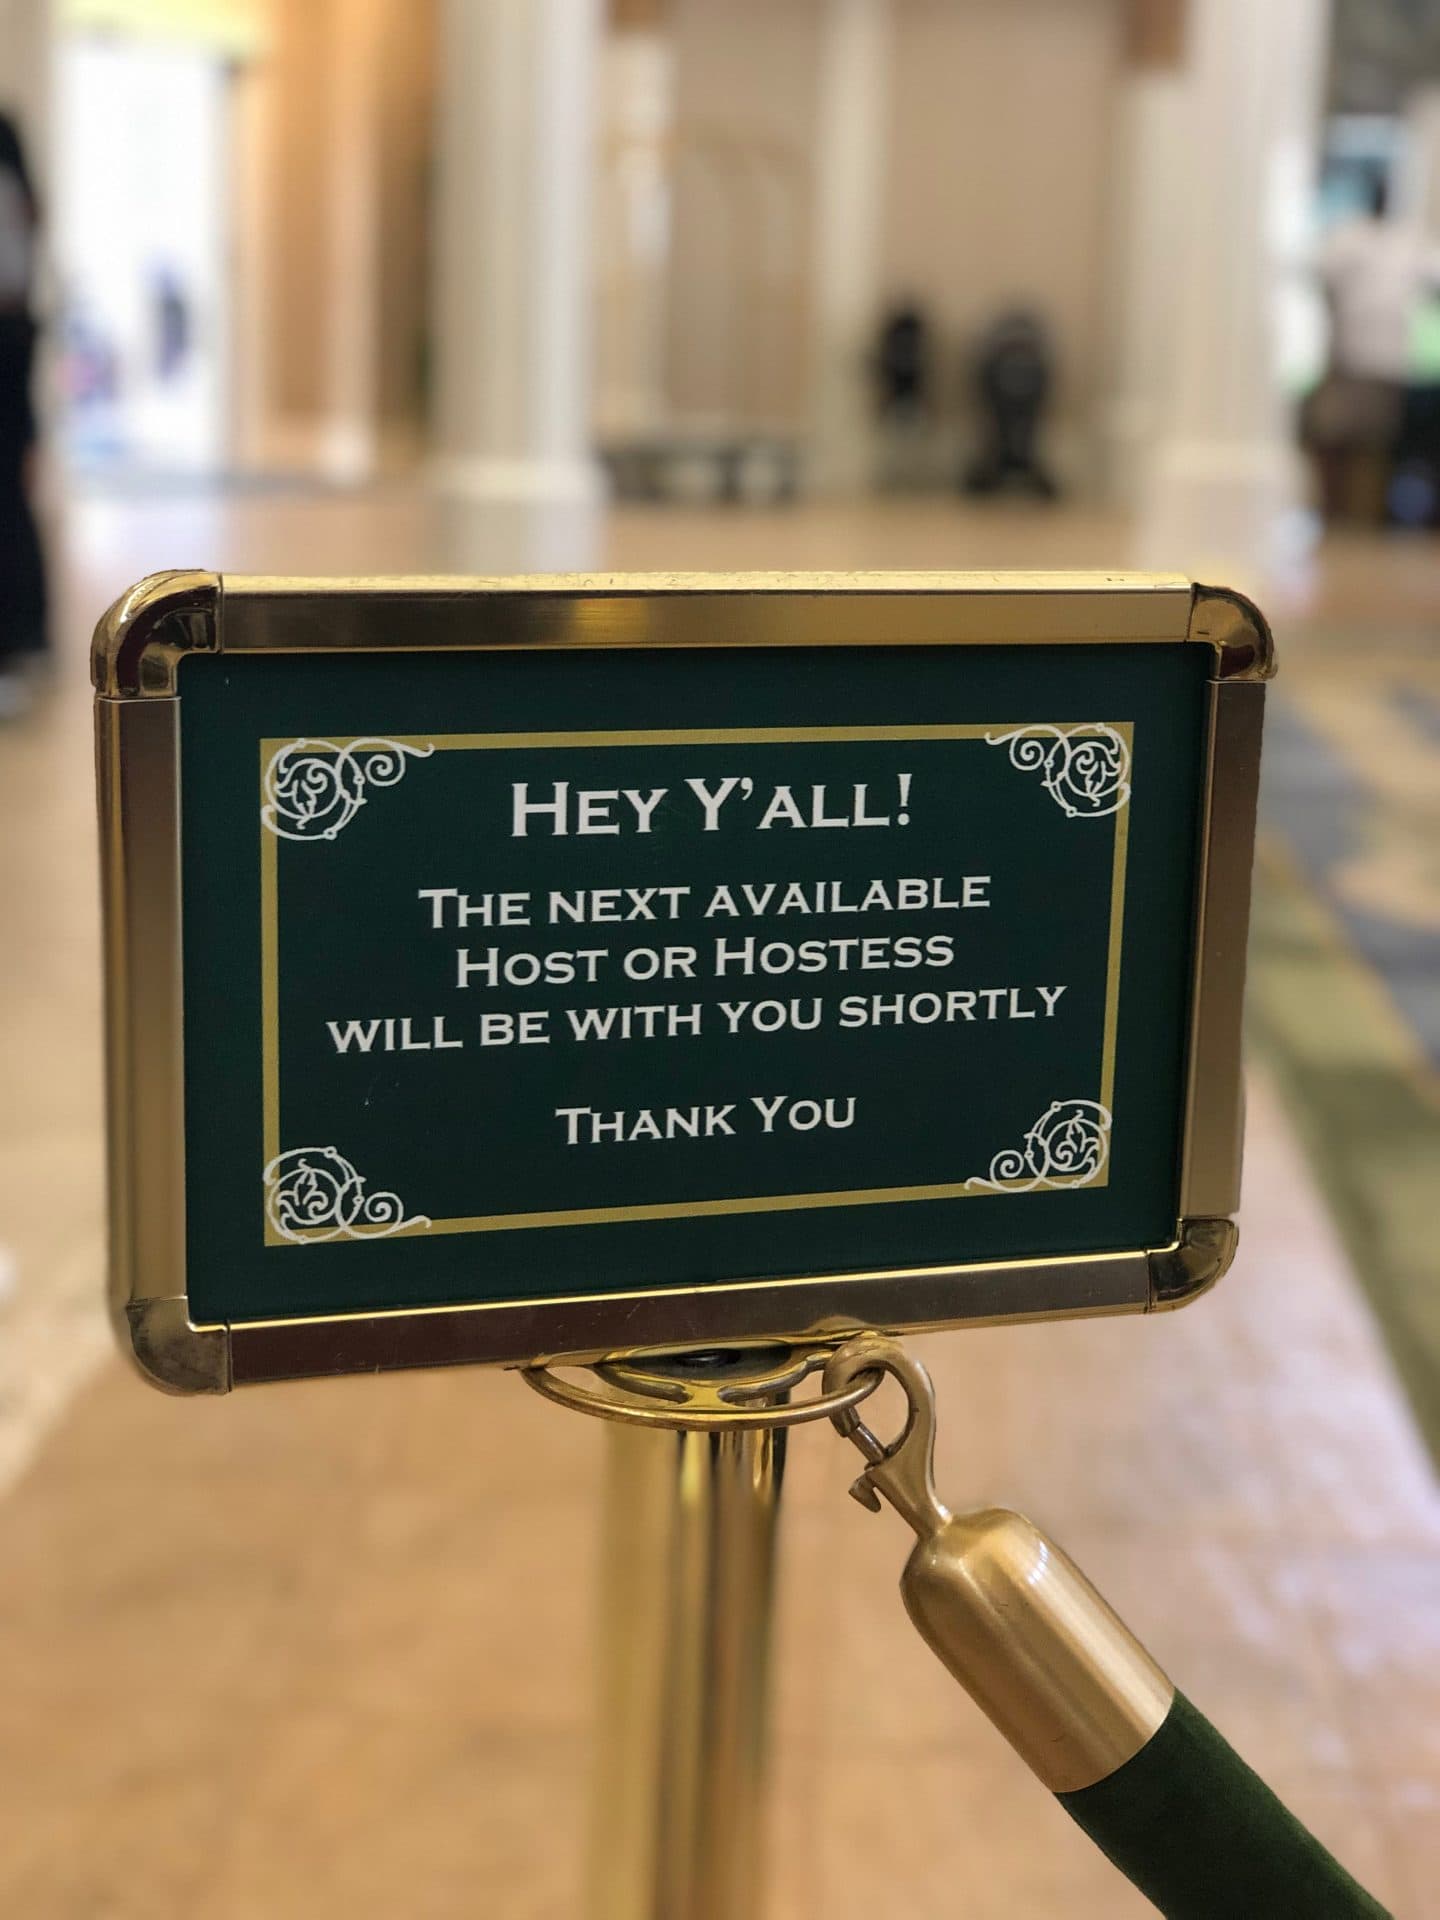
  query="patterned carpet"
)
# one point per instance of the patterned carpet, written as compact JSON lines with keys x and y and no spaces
{"x":1345,"y":982}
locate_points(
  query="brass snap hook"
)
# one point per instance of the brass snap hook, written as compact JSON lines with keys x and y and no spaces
{"x":902,"y":1469}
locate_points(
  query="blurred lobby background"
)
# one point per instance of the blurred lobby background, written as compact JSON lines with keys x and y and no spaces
{"x":357,"y":286}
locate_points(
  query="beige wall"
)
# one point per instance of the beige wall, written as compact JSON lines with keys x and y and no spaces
{"x":284,"y":108}
{"x":333,"y":131}
{"x":406,"y":104}
{"x":999,"y":170}
{"x":25,"y":74}
{"x":997,"y":185}
{"x":744,"y":121}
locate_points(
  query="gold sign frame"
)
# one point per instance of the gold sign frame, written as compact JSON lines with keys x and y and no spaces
{"x":138,"y":647}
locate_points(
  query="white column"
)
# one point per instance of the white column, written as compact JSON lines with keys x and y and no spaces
{"x":852,"y":129}
{"x":1152,"y":171}
{"x":1224,"y":490}
{"x":517,"y":486}
{"x":1419,"y":197}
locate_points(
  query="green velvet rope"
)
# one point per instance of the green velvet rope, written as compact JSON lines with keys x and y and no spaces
{"x":1204,"y":1838}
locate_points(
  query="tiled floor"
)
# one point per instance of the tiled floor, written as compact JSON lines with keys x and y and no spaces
{"x":1345,"y":973}
{"x":324,"y":1650}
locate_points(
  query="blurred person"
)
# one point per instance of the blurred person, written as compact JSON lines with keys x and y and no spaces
{"x":902,"y":368}
{"x":1376,"y":273}
{"x":902,"y":363}
{"x":173,"y":329}
{"x":1414,"y":492}
{"x":22,"y":568}
{"x":1013,"y":373}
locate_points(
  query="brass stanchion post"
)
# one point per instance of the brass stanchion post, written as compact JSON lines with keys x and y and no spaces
{"x":692,"y":1503}
{"x":688,"y":1573}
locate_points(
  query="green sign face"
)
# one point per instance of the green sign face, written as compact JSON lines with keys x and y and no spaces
{"x":565,"y":968}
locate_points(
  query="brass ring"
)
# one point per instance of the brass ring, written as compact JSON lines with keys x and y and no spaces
{"x":705,"y":1392}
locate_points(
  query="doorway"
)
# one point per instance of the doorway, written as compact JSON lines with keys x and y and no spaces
{"x":142,"y":251}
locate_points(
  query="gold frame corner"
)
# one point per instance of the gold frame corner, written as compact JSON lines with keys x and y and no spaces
{"x":140,"y":641}
{"x":1235,"y":627}
{"x":1199,"y":1255}
{"x":171,"y":1352}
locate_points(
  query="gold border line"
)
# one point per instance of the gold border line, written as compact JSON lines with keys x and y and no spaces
{"x":1126,"y":730}
{"x":269,"y":974}
{"x":681,"y":1209}
{"x":687,"y":736}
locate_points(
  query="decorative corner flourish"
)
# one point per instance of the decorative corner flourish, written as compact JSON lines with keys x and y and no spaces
{"x":314,"y":788}
{"x":1084,"y":769}
{"x":315,"y":1194}
{"x":1068,"y":1146}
